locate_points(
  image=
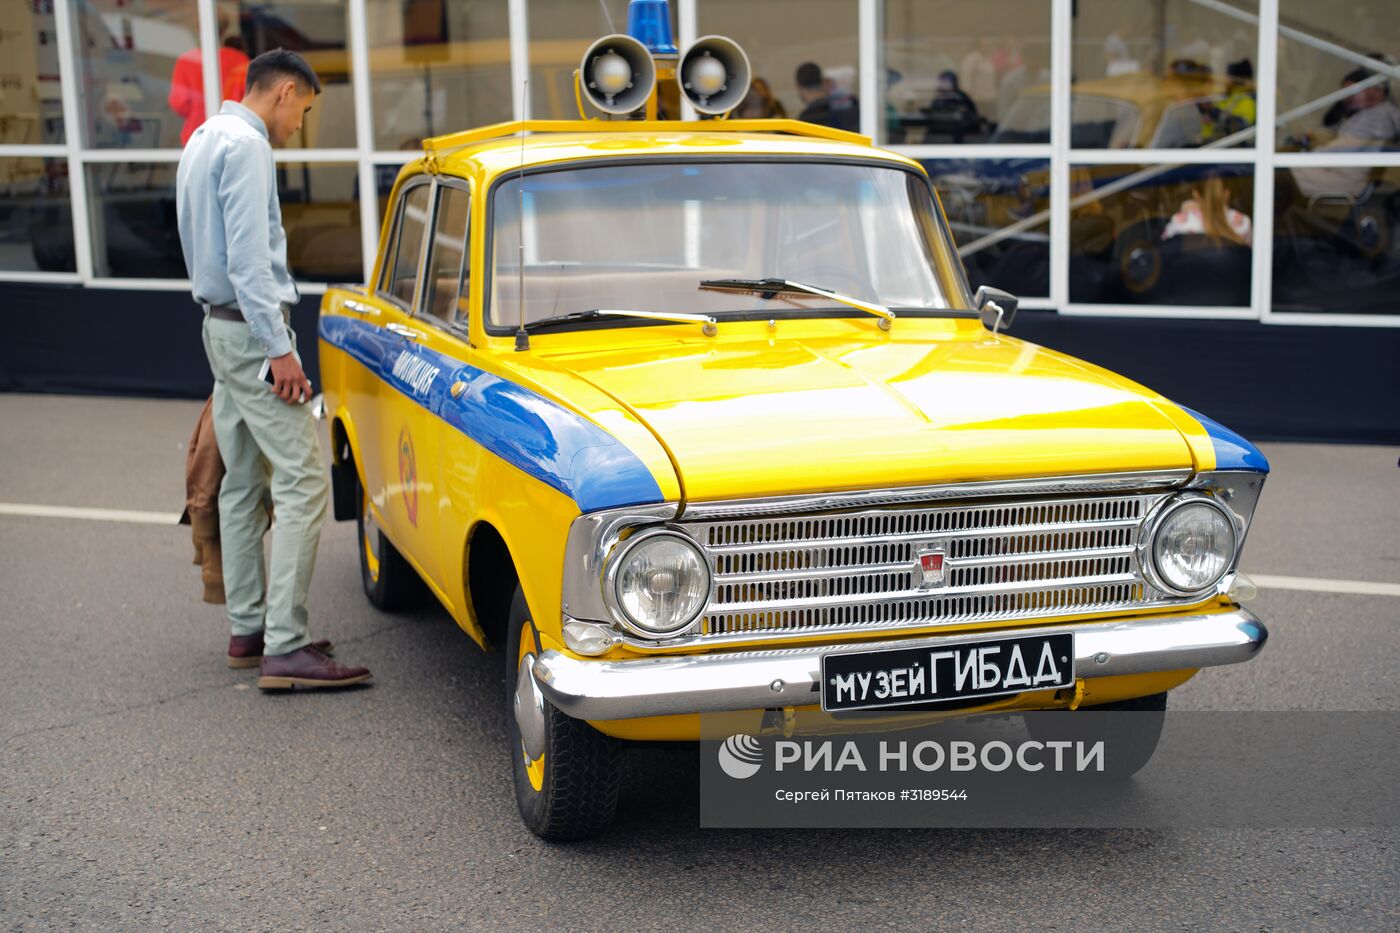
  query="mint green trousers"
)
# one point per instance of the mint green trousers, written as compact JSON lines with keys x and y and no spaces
{"x":269,"y":448}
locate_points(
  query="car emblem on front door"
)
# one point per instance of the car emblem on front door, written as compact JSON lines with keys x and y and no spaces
{"x":932,"y":565}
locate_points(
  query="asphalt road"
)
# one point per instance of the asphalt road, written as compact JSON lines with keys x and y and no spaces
{"x":143,"y":784}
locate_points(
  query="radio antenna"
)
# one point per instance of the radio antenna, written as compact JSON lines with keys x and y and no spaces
{"x":522,"y":337}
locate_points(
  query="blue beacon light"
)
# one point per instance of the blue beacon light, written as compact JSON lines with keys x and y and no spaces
{"x":649,"y":22}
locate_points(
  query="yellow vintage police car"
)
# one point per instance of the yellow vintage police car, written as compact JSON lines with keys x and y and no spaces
{"x":682,"y":415}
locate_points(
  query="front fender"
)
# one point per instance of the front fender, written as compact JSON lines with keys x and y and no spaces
{"x":344,"y":475}
{"x":345,"y":446}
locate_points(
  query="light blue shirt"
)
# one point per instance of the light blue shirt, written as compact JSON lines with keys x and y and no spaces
{"x":231,"y":224}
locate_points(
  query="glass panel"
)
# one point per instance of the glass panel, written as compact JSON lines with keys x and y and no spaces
{"x":143,"y":83}
{"x":36,"y":220}
{"x":1161,"y":235}
{"x":1337,"y":240}
{"x":139,"y":64}
{"x":384,"y":177}
{"x":446,"y":272}
{"x":436,"y":66}
{"x":644,"y":237}
{"x":133,"y":219}
{"x":951,"y":72}
{"x":780,"y":36}
{"x":560,"y":31}
{"x":404,"y":272}
{"x":999,"y":210}
{"x":135,"y":234}
{"x":31,"y":104}
{"x":318,"y":31}
{"x":1159,"y":74}
{"x":321,"y":214}
{"x":385,"y":174}
{"x":1366,"y":119}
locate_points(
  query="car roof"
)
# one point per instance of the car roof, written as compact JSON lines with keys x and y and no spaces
{"x":506,"y":150}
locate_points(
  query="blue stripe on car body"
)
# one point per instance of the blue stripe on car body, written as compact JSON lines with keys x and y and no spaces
{"x":1232,"y":451}
{"x":556,"y":446}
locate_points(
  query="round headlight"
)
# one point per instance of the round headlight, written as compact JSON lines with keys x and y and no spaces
{"x":1193,"y":546}
{"x":660,"y":583}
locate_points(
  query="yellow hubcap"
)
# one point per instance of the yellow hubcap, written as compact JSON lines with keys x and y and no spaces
{"x":534,"y":768}
{"x":371,"y":540}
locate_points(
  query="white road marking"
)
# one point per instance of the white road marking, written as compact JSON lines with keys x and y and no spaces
{"x":1319,"y":585}
{"x":93,"y":515}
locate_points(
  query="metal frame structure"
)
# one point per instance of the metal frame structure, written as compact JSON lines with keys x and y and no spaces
{"x":1057,"y":153}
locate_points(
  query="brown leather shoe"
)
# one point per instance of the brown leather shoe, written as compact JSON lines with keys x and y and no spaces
{"x":307,"y":667}
{"x":247,"y":650}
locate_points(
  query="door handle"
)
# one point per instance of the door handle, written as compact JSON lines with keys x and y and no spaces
{"x":359,"y":307}
{"x":402,"y":331}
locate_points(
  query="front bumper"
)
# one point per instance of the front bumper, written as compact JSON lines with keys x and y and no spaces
{"x":599,"y":690}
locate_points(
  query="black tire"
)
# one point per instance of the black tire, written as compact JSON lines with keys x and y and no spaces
{"x":580,"y":771}
{"x":1130,"y":741}
{"x":390,"y":582}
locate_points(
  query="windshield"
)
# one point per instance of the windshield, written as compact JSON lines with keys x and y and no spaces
{"x":641,"y":237}
{"x":1097,"y":122}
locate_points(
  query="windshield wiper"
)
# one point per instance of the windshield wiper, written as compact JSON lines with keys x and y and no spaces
{"x":771,"y":288}
{"x":522,"y":334}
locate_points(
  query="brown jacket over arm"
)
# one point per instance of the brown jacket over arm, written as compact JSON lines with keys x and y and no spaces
{"x":204,"y":472}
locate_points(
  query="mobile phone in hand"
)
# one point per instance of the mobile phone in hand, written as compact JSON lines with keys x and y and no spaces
{"x":265,"y":374}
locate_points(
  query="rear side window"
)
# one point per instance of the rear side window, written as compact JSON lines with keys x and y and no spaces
{"x":446,"y":286}
{"x":401,"y":273}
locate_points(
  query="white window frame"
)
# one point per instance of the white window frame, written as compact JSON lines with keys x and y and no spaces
{"x":1062,"y":157}
{"x":366,"y":158}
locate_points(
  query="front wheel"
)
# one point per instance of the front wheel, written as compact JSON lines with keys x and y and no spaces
{"x":566,"y":772}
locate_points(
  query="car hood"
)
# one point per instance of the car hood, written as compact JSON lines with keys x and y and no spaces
{"x":758,"y":417}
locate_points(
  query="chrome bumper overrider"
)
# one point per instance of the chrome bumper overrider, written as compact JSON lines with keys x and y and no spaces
{"x":599,"y":689}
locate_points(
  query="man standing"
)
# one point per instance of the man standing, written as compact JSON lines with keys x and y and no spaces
{"x":236,"y":253}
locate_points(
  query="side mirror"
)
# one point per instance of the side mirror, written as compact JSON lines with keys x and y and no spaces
{"x":997,"y":308}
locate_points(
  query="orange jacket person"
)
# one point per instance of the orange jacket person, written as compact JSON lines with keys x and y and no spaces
{"x":187,"y":85}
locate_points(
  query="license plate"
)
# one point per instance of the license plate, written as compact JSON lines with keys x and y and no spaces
{"x":939,"y":673}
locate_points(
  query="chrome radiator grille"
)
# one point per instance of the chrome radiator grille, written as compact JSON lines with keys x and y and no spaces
{"x":1000,"y":561}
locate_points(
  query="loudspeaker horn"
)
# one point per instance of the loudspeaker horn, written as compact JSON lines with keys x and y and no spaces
{"x":617,"y":74}
{"x":714,"y":74}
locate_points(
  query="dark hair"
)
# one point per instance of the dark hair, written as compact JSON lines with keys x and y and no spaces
{"x":1240,"y":69}
{"x":1357,"y":75}
{"x":279,"y":65}
{"x":809,"y":74}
